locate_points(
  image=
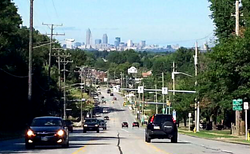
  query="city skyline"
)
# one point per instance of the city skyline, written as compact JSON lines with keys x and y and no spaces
{"x":163,"y":22}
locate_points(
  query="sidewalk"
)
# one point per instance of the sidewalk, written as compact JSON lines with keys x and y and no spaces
{"x":218,"y":135}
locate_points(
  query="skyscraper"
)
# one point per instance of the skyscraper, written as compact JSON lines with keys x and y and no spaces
{"x":117,"y":41}
{"x":98,"y":41}
{"x":105,"y":39}
{"x":88,"y":37}
{"x":129,"y":43}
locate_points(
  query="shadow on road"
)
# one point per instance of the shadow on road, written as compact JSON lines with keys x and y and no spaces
{"x":164,"y":142}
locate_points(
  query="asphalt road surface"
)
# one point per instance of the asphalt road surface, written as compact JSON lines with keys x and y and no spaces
{"x":116,"y":140}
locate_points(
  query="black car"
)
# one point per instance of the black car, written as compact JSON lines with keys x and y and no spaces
{"x":91,"y":124}
{"x":106,"y":117}
{"x":135,"y":124}
{"x":111,"y":94}
{"x":69,"y":124}
{"x":161,"y":126}
{"x":108,"y":91}
{"x":47,"y":131}
{"x":124,"y":124}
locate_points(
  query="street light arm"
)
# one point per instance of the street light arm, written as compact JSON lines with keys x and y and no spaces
{"x":182,"y":74}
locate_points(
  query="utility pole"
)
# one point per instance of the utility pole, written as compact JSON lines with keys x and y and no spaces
{"x":197,"y":104}
{"x":30,"y":53}
{"x":163,"y":94}
{"x":237,"y":17}
{"x":156,"y":107}
{"x":59,"y":65}
{"x":65,"y":62}
{"x":173,"y":77}
{"x":51,"y":26}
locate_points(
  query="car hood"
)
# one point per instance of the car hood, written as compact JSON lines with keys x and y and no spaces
{"x":45,"y":129}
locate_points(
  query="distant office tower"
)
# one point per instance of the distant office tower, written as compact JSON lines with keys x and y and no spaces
{"x":98,"y":41}
{"x":105,"y":39}
{"x":88,"y":37}
{"x":69,"y":43}
{"x":130,"y":43}
{"x":117,"y":41}
{"x":143,"y":43}
{"x":78,"y":44}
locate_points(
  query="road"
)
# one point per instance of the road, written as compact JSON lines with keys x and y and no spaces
{"x":116,"y":140}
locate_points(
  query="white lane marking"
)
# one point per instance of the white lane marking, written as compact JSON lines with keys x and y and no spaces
{"x":125,"y":130}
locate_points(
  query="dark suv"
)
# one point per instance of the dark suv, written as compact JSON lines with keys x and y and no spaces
{"x":161,"y":126}
{"x":91,"y":124}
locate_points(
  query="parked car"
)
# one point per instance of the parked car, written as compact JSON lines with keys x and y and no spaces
{"x":135,"y":124}
{"x":106,"y":117}
{"x":111,"y":94}
{"x":69,"y":124}
{"x":161,"y":126}
{"x":108,"y":91}
{"x":47,"y":131}
{"x":124,"y":124}
{"x":102,"y":124}
{"x":91,"y":124}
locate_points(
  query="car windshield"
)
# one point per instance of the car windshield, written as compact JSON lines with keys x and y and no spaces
{"x":46,"y":122}
{"x":90,"y":120}
{"x":162,"y":118}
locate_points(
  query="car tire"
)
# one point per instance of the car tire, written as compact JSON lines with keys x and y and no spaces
{"x":174,"y":138}
{"x":168,"y":127}
{"x":66,"y":145}
{"x":147,"y":139}
{"x":29,"y":146}
{"x":84,"y":131}
{"x":97,"y":131}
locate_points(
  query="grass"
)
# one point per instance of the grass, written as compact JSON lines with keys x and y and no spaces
{"x":209,"y":134}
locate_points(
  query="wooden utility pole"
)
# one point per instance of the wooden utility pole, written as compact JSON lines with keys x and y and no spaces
{"x":163,"y":97}
{"x":51,"y":26}
{"x":156,"y":99}
{"x":30,"y":52}
{"x":197,"y":104}
{"x":65,"y":62}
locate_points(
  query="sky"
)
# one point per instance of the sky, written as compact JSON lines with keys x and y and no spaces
{"x":160,"y":22}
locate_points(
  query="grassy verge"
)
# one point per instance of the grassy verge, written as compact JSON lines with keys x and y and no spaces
{"x":223,"y":135}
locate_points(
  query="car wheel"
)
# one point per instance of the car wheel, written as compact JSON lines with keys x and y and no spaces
{"x":147,"y":139}
{"x":174,"y":138}
{"x":97,"y":131}
{"x":66,"y":145}
{"x":29,"y":146}
{"x":84,"y":131}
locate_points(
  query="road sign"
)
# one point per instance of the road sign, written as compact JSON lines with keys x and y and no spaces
{"x":237,"y":108}
{"x":237,"y":102}
{"x":164,"y":90}
{"x":189,"y":115}
{"x":246,"y":106}
{"x":140,"y":89}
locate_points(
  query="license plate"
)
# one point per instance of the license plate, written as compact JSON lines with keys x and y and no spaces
{"x":156,"y":127}
{"x":44,"y":139}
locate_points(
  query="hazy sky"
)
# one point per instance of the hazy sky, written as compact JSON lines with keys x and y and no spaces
{"x":160,"y":22}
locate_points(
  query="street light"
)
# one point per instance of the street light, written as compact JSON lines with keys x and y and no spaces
{"x":173,"y":77}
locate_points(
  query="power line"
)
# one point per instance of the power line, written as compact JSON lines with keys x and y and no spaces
{"x":16,"y":76}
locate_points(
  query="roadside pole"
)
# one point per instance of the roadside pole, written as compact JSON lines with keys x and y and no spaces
{"x":197,"y":104}
{"x":163,"y":94}
{"x":156,"y":107}
{"x":189,"y":116}
{"x":246,"y":108}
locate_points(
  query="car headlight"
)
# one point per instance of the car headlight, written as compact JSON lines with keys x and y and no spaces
{"x":30,"y":133}
{"x":60,"y":133}
{"x":96,"y":125}
{"x":85,"y":125}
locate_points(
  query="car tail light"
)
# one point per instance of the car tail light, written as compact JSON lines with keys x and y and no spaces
{"x":152,"y":119}
{"x":174,"y":120}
